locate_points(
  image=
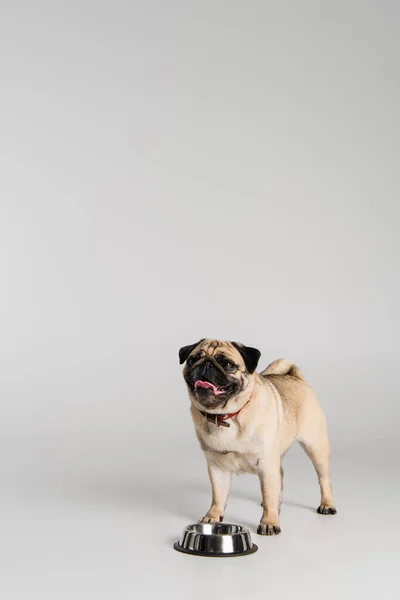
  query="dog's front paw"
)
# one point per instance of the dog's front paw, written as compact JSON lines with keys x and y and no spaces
{"x":326,"y":509}
{"x":212,"y":518}
{"x":268,"y":529}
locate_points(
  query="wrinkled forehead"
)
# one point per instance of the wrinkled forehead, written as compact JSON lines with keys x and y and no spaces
{"x":213,"y":347}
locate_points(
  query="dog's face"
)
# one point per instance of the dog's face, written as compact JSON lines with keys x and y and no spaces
{"x":217,"y":373}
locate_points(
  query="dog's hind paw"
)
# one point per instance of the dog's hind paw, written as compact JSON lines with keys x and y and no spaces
{"x":325,"y":509}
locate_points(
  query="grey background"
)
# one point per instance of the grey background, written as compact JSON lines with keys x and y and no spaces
{"x":170,"y":171}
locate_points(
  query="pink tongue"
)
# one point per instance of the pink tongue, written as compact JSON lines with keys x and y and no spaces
{"x":207,"y":384}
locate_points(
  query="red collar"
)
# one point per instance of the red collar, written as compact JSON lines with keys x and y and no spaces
{"x":220,"y":419}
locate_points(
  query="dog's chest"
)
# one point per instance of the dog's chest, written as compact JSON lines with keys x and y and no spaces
{"x":236,"y":462}
{"x":239,"y":454}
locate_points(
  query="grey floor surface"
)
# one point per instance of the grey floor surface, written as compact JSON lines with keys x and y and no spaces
{"x":109,"y":535}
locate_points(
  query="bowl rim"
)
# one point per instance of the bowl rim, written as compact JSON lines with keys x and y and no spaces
{"x":241,"y":529}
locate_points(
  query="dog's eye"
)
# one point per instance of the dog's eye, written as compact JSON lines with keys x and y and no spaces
{"x":194,"y":358}
{"x":225,"y":363}
{"x":229,"y":366}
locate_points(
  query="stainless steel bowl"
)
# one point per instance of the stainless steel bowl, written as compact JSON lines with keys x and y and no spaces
{"x":216,"y":539}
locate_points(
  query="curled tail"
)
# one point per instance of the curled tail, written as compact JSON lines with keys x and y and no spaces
{"x":283,"y":366}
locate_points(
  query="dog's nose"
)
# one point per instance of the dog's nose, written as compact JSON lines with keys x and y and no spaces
{"x":208,"y":367}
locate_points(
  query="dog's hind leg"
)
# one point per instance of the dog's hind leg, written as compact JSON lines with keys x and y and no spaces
{"x":281,"y":494}
{"x":314,"y":440}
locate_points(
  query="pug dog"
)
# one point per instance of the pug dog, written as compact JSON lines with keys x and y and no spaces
{"x":246,"y":421}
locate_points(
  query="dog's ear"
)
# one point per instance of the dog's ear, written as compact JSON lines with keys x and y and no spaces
{"x":250,"y":355}
{"x":186,"y":350}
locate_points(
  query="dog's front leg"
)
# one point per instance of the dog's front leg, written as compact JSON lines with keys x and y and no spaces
{"x":220,"y":483}
{"x":271,"y":482}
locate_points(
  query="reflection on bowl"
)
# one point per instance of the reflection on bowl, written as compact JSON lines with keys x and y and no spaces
{"x":216,"y":539}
